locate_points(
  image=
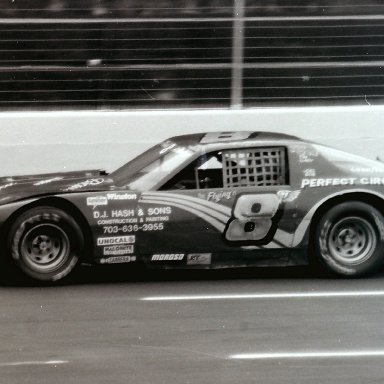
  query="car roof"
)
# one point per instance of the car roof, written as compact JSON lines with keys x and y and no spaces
{"x":234,"y":137}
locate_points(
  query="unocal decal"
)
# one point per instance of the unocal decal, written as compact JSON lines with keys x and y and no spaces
{"x":116,"y":240}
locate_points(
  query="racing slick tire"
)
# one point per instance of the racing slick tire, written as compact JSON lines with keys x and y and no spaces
{"x":45,"y":243}
{"x":349,"y":239}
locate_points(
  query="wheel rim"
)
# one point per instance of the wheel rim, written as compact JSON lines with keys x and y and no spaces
{"x":45,"y":248}
{"x":352,"y":240}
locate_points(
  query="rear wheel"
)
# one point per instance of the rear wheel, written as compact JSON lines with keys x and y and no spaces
{"x":45,"y":243}
{"x":349,"y":239}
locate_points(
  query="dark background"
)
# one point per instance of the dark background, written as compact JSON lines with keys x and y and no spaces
{"x":129,"y":54}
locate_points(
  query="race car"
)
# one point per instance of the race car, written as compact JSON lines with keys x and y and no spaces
{"x":209,"y":200}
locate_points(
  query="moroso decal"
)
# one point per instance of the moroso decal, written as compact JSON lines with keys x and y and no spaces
{"x":117,"y":259}
{"x":116,"y":240}
{"x":118,"y":250}
{"x":168,"y":257}
{"x":199,"y":259}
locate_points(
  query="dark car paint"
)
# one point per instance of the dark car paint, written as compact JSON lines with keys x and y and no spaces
{"x":192,"y":224}
{"x":21,"y":187}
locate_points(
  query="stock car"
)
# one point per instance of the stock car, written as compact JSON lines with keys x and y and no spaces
{"x":209,"y":200}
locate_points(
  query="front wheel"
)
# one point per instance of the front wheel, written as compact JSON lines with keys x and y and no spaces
{"x":45,"y":243}
{"x":349,"y":239}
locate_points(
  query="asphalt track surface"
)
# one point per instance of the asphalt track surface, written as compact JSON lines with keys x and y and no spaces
{"x":232,"y":326}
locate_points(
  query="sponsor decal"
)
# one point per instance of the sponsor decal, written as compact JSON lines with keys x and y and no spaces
{"x":168,"y":257}
{"x":86,"y":183}
{"x":367,"y":169}
{"x":121,"y":196}
{"x":159,"y":211}
{"x":306,"y":154}
{"x":117,"y":259}
{"x":96,"y":201}
{"x":372,"y":180}
{"x":42,"y":182}
{"x":199,"y":259}
{"x":118,"y":250}
{"x":98,"y":215}
{"x":116,"y":240}
{"x":309,"y":172}
{"x":288,"y":196}
{"x":156,"y":219}
{"x":118,"y":213}
{"x":312,"y":183}
{"x":218,"y":196}
{"x":107,"y":221}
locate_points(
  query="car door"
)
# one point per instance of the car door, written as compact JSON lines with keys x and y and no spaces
{"x":223,"y":203}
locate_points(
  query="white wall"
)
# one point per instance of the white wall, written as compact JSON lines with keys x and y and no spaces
{"x":37,"y":142}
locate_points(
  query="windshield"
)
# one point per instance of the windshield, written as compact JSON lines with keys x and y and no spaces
{"x":150,"y":168}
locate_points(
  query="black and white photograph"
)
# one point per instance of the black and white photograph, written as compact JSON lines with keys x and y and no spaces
{"x":191,"y":191}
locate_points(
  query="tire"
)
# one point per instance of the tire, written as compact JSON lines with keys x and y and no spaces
{"x":45,"y":243}
{"x":349,"y":239}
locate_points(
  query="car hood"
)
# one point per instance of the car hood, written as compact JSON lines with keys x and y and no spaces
{"x":21,"y":187}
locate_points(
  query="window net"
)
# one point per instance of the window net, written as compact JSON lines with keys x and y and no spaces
{"x":254,"y":167}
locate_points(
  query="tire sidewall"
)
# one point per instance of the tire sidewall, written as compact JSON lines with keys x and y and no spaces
{"x":46,"y":215}
{"x":330,"y":219}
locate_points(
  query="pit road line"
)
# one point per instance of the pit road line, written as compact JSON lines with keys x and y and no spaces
{"x":293,"y":295}
{"x":26,"y":363}
{"x":306,"y":355}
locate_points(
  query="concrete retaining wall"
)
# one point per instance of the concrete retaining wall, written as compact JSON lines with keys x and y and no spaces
{"x":37,"y":142}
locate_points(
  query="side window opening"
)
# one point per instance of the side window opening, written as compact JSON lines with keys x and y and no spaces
{"x":205,"y":172}
{"x":245,"y":167}
{"x":210,"y":173}
{"x":254,"y":167}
